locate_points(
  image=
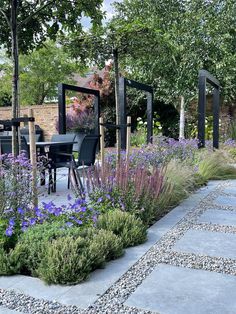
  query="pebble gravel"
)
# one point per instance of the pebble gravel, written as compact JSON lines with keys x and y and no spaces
{"x":112,"y":301}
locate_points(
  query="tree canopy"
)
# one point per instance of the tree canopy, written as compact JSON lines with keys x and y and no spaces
{"x":39,"y":20}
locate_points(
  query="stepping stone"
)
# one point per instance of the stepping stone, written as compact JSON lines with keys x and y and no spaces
{"x":230,"y":190}
{"x":226,"y":200}
{"x":220,"y":217}
{"x":177,"y":290}
{"x":215,"y":244}
{"x":4,"y":310}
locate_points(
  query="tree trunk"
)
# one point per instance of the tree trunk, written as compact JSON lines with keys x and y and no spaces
{"x":181,"y":118}
{"x":15,"y":77}
{"x":118,"y":138}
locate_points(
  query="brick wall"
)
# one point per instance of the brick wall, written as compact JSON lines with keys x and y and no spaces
{"x":45,"y":117}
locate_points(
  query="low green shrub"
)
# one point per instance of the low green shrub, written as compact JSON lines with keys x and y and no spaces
{"x":104,"y":246}
{"x":70,"y":260}
{"x":66,"y":260}
{"x":31,"y":246}
{"x":5,"y":265}
{"x":129,"y":228}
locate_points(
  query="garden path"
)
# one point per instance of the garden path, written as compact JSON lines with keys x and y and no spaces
{"x":188,"y":265}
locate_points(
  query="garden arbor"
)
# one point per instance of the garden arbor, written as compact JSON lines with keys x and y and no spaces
{"x":123,"y":83}
{"x":62,"y":88}
{"x":206,"y":77}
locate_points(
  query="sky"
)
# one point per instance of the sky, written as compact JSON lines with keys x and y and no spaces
{"x":107,"y":6}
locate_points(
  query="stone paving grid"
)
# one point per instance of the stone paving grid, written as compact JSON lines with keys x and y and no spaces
{"x":113,"y":300}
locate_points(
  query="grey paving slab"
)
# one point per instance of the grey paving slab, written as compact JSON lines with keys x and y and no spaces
{"x":226,"y":200}
{"x":4,"y":310}
{"x":9,"y":281}
{"x":221,"y":217}
{"x":230,"y":190}
{"x":38,"y":289}
{"x":176,"y":290}
{"x":209,"y":243}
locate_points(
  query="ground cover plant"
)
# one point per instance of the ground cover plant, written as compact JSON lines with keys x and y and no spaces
{"x":64,"y":244}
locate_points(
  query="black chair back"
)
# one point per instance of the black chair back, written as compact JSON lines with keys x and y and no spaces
{"x":70,"y":137}
{"x":6,"y":145}
{"x":87,"y":153}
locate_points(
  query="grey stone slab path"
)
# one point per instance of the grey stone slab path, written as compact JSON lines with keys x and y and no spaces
{"x":172,"y":289}
{"x":4,"y":310}
{"x":220,"y":217}
{"x":209,"y":243}
{"x":184,"y":267}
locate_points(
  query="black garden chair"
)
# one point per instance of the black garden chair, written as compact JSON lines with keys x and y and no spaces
{"x":6,"y":145}
{"x":86,"y":156}
{"x":59,"y":156}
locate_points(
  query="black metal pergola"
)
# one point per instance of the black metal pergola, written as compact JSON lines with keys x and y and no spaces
{"x":62,"y":88}
{"x":206,"y":77}
{"x":123,"y":83}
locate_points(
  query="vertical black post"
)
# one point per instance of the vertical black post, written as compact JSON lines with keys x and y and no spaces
{"x":201,"y":110}
{"x":122,"y":95}
{"x":216,"y":104}
{"x":149,"y":117}
{"x":61,"y":109}
{"x":97,"y":113}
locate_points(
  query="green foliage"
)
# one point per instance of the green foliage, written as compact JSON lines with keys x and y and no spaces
{"x":6,"y":242}
{"x":125,"y":225}
{"x":44,"y":20}
{"x":31,"y":246}
{"x":179,"y":182}
{"x":232,"y":129}
{"x":60,"y":254}
{"x":40,"y":73}
{"x":215,"y":166}
{"x":66,"y":260}
{"x":69,"y":260}
{"x":104,"y":245}
{"x":5,"y":265}
{"x":232,"y":153}
{"x":42,"y":70}
{"x":5,"y":81}
{"x":139,"y":137}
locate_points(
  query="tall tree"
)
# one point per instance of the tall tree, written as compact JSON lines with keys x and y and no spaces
{"x":26,"y":24}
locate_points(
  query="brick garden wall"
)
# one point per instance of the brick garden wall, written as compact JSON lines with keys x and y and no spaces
{"x":45,"y":117}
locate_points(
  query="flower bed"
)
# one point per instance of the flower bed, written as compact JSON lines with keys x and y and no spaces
{"x":64,"y":244}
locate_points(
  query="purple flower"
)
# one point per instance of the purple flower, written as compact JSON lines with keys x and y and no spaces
{"x":32,"y":221}
{"x":83,"y":209}
{"x":12,"y":222}
{"x":69,"y":224}
{"x":100,"y":200}
{"x":20,"y":211}
{"x":9,"y":231}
